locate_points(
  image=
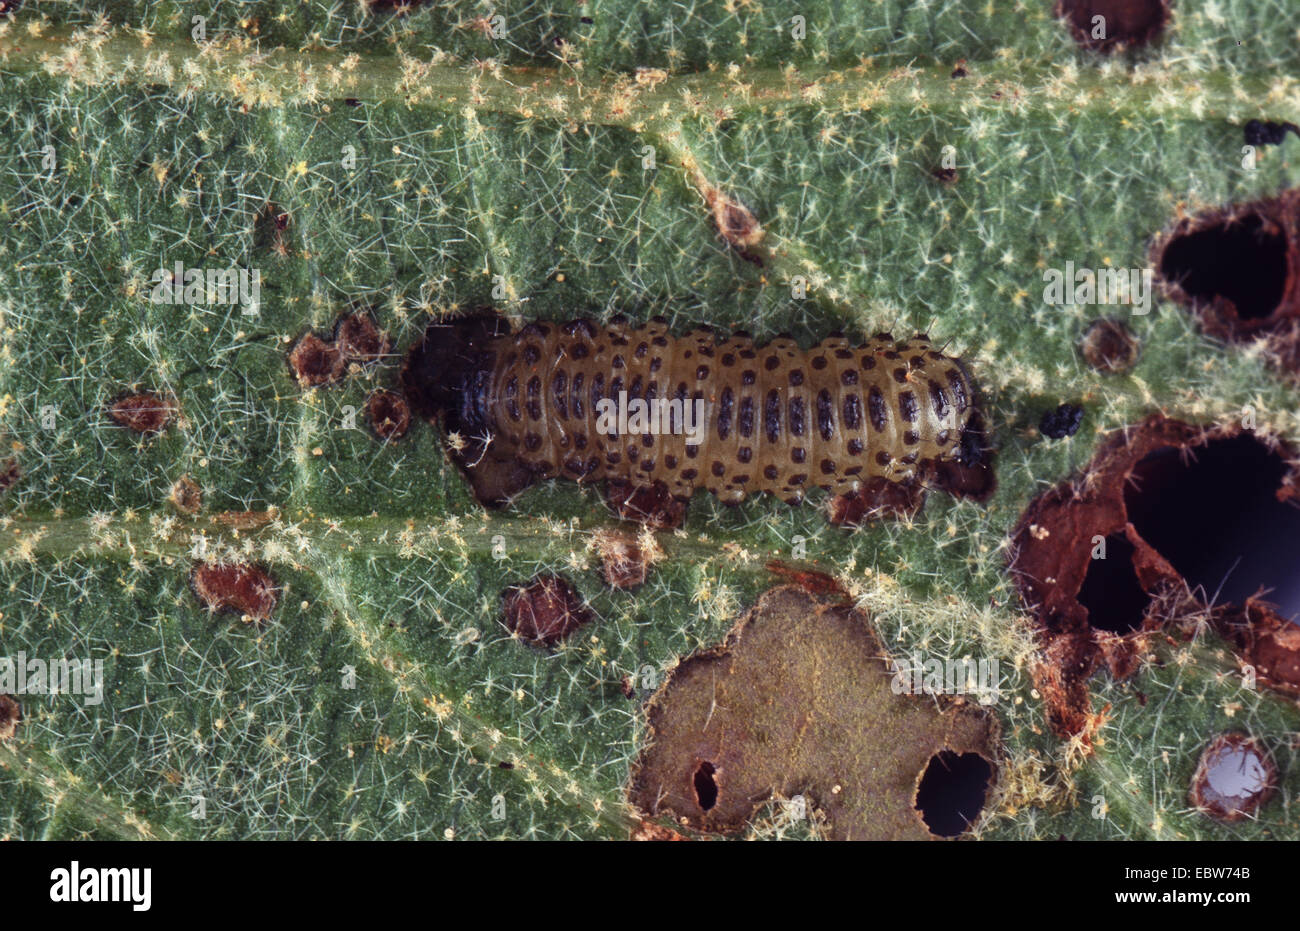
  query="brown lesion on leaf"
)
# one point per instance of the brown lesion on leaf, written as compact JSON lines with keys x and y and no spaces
{"x":186,"y":496}
{"x":1237,"y":270}
{"x":315,"y":362}
{"x":624,"y":559}
{"x":356,"y":342}
{"x":545,"y":611}
{"x":651,"y":505}
{"x":1093,"y":612}
{"x":1123,"y":24}
{"x":1235,"y":776}
{"x":11,"y":715}
{"x":798,"y":701}
{"x":240,"y":588}
{"x":1109,"y":346}
{"x":10,"y":473}
{"x":390,"y":415}
{"x":145,"y":412}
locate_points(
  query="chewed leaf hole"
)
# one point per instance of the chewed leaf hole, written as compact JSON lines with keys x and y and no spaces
{"x":952,"y":791}
{"x":1214,"y":515}
{"x":1243,"y":261}
{"x":1111,"y":593}
{"x":706,"y":788}
{"x":1234,"y":777}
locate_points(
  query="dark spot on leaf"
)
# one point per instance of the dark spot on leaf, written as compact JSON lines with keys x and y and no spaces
{"x":390,"y":415}
{"x":11,"y":713}
{"x":240,"y":588}
{"x":622,"y":562}
{"x":315,"y":362}
{"x":545,"y":611}
{"x":1263,"y":132}
{"x":186,"y":495}
{"x":1123,"y":24}
{"x":1109,"y":346}
{"x":1062,"y":422}
{"x":146,"y":412}
{"x":652,"y":505}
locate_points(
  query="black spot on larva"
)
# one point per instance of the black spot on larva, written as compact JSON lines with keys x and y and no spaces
{"x":579,"y":351}
{"x":849,"y":377}
{"x":825,"y":414}
{"x":852,"y":412}
{"x":797,"y":419}
{"x":744,"y":454}
{"x":558,"y":386}
{"x":532,"y":354}
{"x":532,"y":441}
{"x":855,"y":449}
{"x":910,"y":438}
{"x":575,"y":395}
{"x":843,"y":354}
{"x":745,"y":424}
{"x":702,"y":373}
{"x":718,"y":469}
{"x":771,"y":362}
{"x":748,"y":377}
{"x":868,"y":363}
{"x":907,"y":406}
{"x":883,"y":458}
{"x":534,"y":402}
{"x":728,"y":360}
{"x":772,"y":416}
{"x":828,"y":466}
{"x":819,"y":362}
{"x":798,"y":454}
{"x":877,"y":409}
{"x":939,"y":398}
{"x":958,"y":385}
{"x":770,"y":473}
{"x":798,"y":479}
{"x":900,"y":376}
{"x":617,"y":362}
{"x":796,"y":378}
{"x":724,"y":413}
{"x":641,"y":350}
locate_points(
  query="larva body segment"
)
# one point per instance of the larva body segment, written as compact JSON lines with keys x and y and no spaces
{"x":776,"y":418}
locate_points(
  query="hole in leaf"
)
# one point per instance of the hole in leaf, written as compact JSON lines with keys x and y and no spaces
{"x":1111,"y":593}
{"x":1217,"y":520}
{"x":706,"y":790}
{"x":951,"y":794}
{"x":1234,"y":777}
{"x":1243,"y":261}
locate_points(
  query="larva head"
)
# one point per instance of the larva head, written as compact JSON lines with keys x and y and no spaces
{"x":445,"y":379}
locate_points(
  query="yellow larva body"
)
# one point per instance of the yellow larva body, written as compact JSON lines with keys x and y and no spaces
{"x":776,"y":418}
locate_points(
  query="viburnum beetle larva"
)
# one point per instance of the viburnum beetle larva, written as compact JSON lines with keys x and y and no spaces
{"x":586,"y":401}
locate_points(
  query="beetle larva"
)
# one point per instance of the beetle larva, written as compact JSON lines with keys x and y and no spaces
{"x":775,"y":418}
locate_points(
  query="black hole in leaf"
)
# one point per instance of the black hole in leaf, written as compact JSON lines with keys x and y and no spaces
{"x":1111,"y":593}
{"x":706,"y":790}
{"x":1241,"y":261}
{"x":952,"y":791}
{"x":1218,"y":522}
